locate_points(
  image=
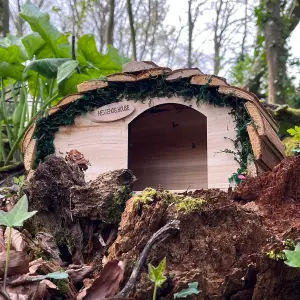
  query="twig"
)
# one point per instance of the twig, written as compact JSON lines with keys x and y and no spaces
{"x":73,"y":52}
{"x":156,"y":238}
{"x":4,"y":295}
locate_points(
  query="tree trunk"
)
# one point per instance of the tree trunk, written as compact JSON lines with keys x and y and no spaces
{"x":4,"y":14}
{"x":132,"y":30}
{"x":110,"y":24}
{"x":191,"y":28}
{"x":276,"y":54}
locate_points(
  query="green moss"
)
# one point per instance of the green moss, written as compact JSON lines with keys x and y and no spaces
{"x":290,"y":144}
{"x":189,"y":204}
{"x":276,"y":255}
{"x":182,"y":203}
{"x":62,"y":285}
{"x":117,"y":204}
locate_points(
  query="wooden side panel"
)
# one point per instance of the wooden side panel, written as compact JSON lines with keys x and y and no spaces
{"x":105,"y":145}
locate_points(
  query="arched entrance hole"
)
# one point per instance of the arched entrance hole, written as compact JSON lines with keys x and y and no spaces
{"x":168,"y":146}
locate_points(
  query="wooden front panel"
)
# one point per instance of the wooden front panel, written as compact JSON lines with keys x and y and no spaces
{"x":106,"y":144}
{"x":168,"y":146}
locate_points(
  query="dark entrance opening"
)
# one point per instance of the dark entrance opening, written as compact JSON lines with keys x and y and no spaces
{"x":168,"y":146}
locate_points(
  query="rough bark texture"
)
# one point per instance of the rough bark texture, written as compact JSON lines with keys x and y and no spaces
{"x":103,"y":198}
{"x":4,"y":17}
{"x":222,"y":244}
{"x":132,"y":30}
{"x":110,"y":24}
{"x":276,"y":53}
{"x":52,"y":190}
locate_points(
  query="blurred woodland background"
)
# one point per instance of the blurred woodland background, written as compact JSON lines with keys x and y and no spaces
{"x":245,"y":41}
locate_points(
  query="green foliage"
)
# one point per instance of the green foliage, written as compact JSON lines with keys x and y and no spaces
{"x":241,"y":71}
{"x":293,"y":257}
{"x":17,"y":215}
{"x":156,"y":275}
{"x":191,"y":290}
{"x":40,"y":67}
{"x":276,"y":255}
{"x":54,"y":275}
{"x":295,"y":132}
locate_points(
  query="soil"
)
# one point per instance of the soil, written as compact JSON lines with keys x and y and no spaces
{"x":222,"y":242}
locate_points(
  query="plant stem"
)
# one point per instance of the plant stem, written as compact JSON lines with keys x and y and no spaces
{"x":20,"y":137}
{"x":154,"y":292}
{"x":7,"y":260}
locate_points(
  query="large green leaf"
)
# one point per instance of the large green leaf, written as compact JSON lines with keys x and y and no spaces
{"x":69,"y":85}
{"x":11,"y":54}
{"x":156,"y":274}
{"x":191,"y":290}
{"x":33,"y":42}
{"x":17,"y":215}
{"x":40,"y":22}
{"x":47,"y":67}
{"x":11,"y":40}
{"x":105,"y":63}
{"x":293,"y":257}
{"x":65,"y":70}
{"x":11,"y":71}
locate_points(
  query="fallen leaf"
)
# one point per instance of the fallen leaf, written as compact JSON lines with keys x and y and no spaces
{"x":18,"y":263}
{"x":77,"y":275}
{"x":17,"y":239}
{"x":35,"y":264}
{"x":107,"y":284}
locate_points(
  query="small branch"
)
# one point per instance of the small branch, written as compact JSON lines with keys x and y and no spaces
{"x":158,"y":237}
{"x":73,"y":52}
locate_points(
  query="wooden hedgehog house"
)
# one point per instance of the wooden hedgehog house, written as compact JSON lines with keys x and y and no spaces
{"x":182,"y":129}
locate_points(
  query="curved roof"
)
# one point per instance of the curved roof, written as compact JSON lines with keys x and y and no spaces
{"x":267,"y":147}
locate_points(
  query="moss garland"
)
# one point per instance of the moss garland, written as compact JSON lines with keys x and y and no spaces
{"x":146,"y":90}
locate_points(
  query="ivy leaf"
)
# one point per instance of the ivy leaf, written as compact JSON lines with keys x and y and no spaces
{"x":191,"y":290}
{"x":295,"y":132}
{"x":17,"y":215}
{"x":156,"y":274}
{"x":10,"y":54}
{"x":293,"y":257}
{"x":54,"y":275}
{"x":47,"y":67}
{"x":65,"y":70}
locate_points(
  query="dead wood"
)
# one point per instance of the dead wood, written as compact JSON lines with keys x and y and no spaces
{"x":158,"y":237}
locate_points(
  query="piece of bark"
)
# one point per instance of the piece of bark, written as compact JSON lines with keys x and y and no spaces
{"x":121,"y":77}
{"x":64,"y":102}
{"x":153,"y":73}
{"x":91,"y":85}
{"x":27,"y":137}
{"x":138,"y":66}
{"x":78,"y":275}
{"x":103,"y":198}
{"x":210,"y":80}
{"x":30,"y":154}
{"x":183,"y":73}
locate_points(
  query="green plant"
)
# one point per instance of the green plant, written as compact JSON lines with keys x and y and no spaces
{"x":14,"y":218}
{"x":156,"y":275}
{"x":42,"y":67}
{"x":191,"y":290}
{"x":293,"y":257}
{"x":295,"y":133}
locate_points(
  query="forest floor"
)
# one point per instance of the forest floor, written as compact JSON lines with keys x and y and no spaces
{"x":229,"y":242}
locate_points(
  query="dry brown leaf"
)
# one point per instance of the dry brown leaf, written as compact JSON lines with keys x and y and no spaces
{"x":17,"y":239}
{"x":77,"y":275}
{"x":18,"y":263}
{"x":107,"y":284}
{"x":35,"y":264}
